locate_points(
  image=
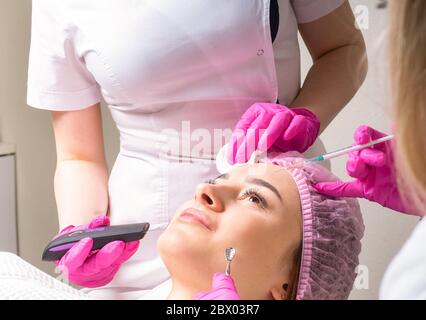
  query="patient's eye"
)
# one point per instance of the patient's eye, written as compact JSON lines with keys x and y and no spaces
{"x":253,"y":195}
{"x":211,"y":181}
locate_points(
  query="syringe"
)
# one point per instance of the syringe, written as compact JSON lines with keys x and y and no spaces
{"x":342,"y":152}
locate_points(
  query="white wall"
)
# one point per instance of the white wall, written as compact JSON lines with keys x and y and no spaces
{"x":31,"y":131}
{"x":386,"y":230}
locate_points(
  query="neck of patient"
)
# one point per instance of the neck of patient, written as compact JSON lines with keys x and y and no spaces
{"x":182,"y":291}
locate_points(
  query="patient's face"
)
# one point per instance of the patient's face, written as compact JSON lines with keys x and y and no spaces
{"x":254,"y":209}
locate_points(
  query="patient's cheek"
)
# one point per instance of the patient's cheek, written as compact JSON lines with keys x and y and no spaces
{"x":246,"y":238}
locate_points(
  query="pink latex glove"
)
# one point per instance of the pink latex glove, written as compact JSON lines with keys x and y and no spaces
{"x":268,"y":126}
{"x":374,"y":172}
{"x":223,"y":288}
{"x":94,"y":268}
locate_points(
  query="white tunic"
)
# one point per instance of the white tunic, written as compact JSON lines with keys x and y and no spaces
{"x":177,"y":76}
{"x":405,"y":278}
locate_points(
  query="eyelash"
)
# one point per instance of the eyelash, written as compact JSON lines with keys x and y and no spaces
{"x":254,"y":193}
{"x":249,"y":193}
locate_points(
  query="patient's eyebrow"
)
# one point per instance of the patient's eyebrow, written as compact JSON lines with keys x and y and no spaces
{"x":265,"y":184}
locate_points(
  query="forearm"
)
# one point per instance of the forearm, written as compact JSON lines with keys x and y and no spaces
{"x":81,"y":191}
{"x":332,"y":81}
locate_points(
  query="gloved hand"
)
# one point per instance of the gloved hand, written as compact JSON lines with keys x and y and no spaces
{"x":267,"y":126}
{"x":223,"y":288}
{"x":94,"y":268}
{"x":374,"y":171}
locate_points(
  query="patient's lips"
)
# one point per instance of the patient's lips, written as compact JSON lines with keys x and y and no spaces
{"x":195,"y":215}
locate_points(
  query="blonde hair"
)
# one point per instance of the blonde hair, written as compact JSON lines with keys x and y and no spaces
{"x":407,"y":40}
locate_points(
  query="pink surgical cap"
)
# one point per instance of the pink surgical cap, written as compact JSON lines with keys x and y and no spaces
{"x":332,"y":232}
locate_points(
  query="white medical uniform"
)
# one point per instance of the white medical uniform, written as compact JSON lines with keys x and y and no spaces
{"x":405,"y":278}
{"x":174,"y":74}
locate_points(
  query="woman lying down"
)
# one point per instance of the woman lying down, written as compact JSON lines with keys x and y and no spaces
{"x":291,"y":242}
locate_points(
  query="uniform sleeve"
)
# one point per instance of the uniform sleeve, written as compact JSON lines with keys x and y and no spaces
{"x":310,"y":10}
{"x":57,"y":77}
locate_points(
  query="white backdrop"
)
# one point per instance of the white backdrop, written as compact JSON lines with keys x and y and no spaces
{"x":386,"y":230}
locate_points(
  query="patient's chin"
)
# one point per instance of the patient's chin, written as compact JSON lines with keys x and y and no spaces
{"x":176,"y":243}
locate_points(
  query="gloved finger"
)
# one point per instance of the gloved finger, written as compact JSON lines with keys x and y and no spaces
{"x":373,"y":157}
{"x":99,"y":221}
{"x":242,"y":155}
{"x":365,"y":134}
{"x":298,"y":124}
{"x":222,"y":281}
{"x":240,"y":130}
{"x":352,"y":189}
{"x":249,"y":116}
{"x":277,"y":126}
{"x":213,"y":295}
{"x":107,"y":256}
{"x":250,"y":143}
{"x":129,"y":250}
{"x":237,"y":139}
{"x":102,"y":275}
{"x":356,"y":167}
{"x":201,"y":296}
{"x":223,"y":288}
{"x":99,"y":279}
{"x":63,"y":231}
{"x":76,"y":256}
{"x":104,"y":281}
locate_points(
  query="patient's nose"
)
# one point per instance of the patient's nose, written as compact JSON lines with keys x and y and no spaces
{"x":208,"y":196}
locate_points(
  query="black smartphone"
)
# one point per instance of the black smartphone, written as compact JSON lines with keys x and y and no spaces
{"x":101,"y":236}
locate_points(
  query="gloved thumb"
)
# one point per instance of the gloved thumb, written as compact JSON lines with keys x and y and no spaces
{"x":76,"y":256}
{"x":223,"y":288}
{"x":352,"y":189}
{"x":297,"y":125}
{"x":372,"y":157}
{"x":99,"y":221}
{"x":222,"y":281}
